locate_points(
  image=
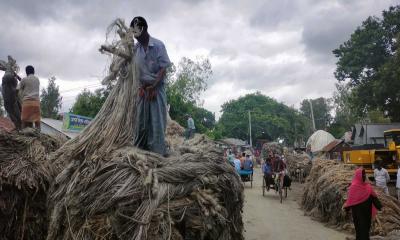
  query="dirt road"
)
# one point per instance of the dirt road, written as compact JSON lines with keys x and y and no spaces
{"x":265,"y":218}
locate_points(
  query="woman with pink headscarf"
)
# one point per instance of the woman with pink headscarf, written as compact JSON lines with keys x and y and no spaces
{"x":363,"y":203}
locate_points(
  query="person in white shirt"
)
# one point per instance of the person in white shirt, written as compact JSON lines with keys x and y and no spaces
{"x":398,"y":182}
{"x":381,"y":176}
{"x":191,"y":128}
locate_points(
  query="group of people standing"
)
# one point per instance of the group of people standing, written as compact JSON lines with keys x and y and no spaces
{"x":21,"y":100}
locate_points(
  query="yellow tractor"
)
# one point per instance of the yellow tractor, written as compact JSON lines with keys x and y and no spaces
{"x":366,"y":155}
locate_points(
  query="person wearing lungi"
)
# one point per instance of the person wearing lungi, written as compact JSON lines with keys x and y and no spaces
{"x":29,"y":94}
{"x":151,"y":61}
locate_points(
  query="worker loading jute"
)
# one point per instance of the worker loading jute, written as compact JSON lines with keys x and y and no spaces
{"x":9,"y":91}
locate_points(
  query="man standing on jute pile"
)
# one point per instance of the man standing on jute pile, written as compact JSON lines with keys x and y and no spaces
{"x":29,"y":92}
{"x":151,"y":61}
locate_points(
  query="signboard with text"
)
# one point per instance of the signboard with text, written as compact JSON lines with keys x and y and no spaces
{"x":75,"y":123}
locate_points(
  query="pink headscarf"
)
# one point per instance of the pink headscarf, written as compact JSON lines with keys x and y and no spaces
{"x":359,"y":191}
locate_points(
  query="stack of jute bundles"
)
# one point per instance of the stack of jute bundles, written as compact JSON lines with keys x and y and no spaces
{"x":271,"y":147}
{"x":174,"y":135}
{"x":24,"y":181}
{"x":298,"y":164}
{"x":104,"y":188}
{"x":326,"y":191}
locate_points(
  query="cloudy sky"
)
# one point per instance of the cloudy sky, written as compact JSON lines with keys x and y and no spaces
{"x":281,"y":48}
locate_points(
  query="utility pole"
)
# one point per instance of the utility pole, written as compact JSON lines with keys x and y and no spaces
{"x":312,"y":115}
{"x":251,"y":141}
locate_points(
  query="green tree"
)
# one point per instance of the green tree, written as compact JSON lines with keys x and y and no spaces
{"x":50,"y":99}
{"x":344,"y":110}
{"x":89,"y":103}
{"x":185,"y":83}
{"x":270,"y":119}
{"x":322,"y":111}
{"x":388,"y":88}
{"x":368,"y":60}
{"x":344,"y":103}
{"x":189,"y":79}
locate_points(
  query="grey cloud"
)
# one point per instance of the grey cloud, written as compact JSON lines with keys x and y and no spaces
{"x":271,"y":15}
{"x":34,"y":11}
{"x":329,"y":25}
{"x":62,"y":37}
{"x":255,"y":75}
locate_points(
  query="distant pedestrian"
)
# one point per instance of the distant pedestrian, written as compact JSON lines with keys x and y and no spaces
{"x":363,"y":203}
{"x":267,"y":170}
{"x":242,"y":159}
{"x":29,"y":93}
{"x":190,"y":127}
{"x":230,"y":156}
{"x":381,"y":176}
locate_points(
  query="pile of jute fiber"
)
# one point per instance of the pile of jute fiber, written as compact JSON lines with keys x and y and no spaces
{"x":24,"y":182}
{"x":105,"y":188}
{"x":299,"y":165}
{"x":326,"y":191}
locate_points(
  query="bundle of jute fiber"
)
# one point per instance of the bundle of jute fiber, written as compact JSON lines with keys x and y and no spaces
{"x":326,"y":191}
{"x":273,"y":147}
{"x":299,"y":165}
{"x":105,"y":188}
{"x":174,"y":133}
{"x":394,"y":235}
{"x":24,"y":181}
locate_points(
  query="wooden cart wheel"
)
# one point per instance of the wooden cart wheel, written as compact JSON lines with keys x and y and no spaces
{"x":264,"y":185}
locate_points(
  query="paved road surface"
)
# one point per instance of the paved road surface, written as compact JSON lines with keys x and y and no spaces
{"x":265,"y":218}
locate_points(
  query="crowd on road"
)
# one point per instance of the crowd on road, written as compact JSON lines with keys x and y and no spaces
{"x":273,"y":166}
{"x":241,"y":161}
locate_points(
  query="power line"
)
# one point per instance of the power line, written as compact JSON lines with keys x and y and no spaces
{"x":82,"y":87}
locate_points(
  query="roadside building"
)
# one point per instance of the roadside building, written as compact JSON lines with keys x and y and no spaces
{"x":371,"y":133}
{"x":334,"y":150}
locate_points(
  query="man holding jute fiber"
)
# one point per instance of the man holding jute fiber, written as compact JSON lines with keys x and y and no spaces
{"x":151,"y":61}
{"x":29,"y":94}
{"x":9,"y":91}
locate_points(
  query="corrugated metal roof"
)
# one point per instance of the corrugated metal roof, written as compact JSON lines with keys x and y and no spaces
{"x":233,"y":141}
{"x":57,"y":125}
{"x":332,"y":145}
{"x":372,"y":133}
